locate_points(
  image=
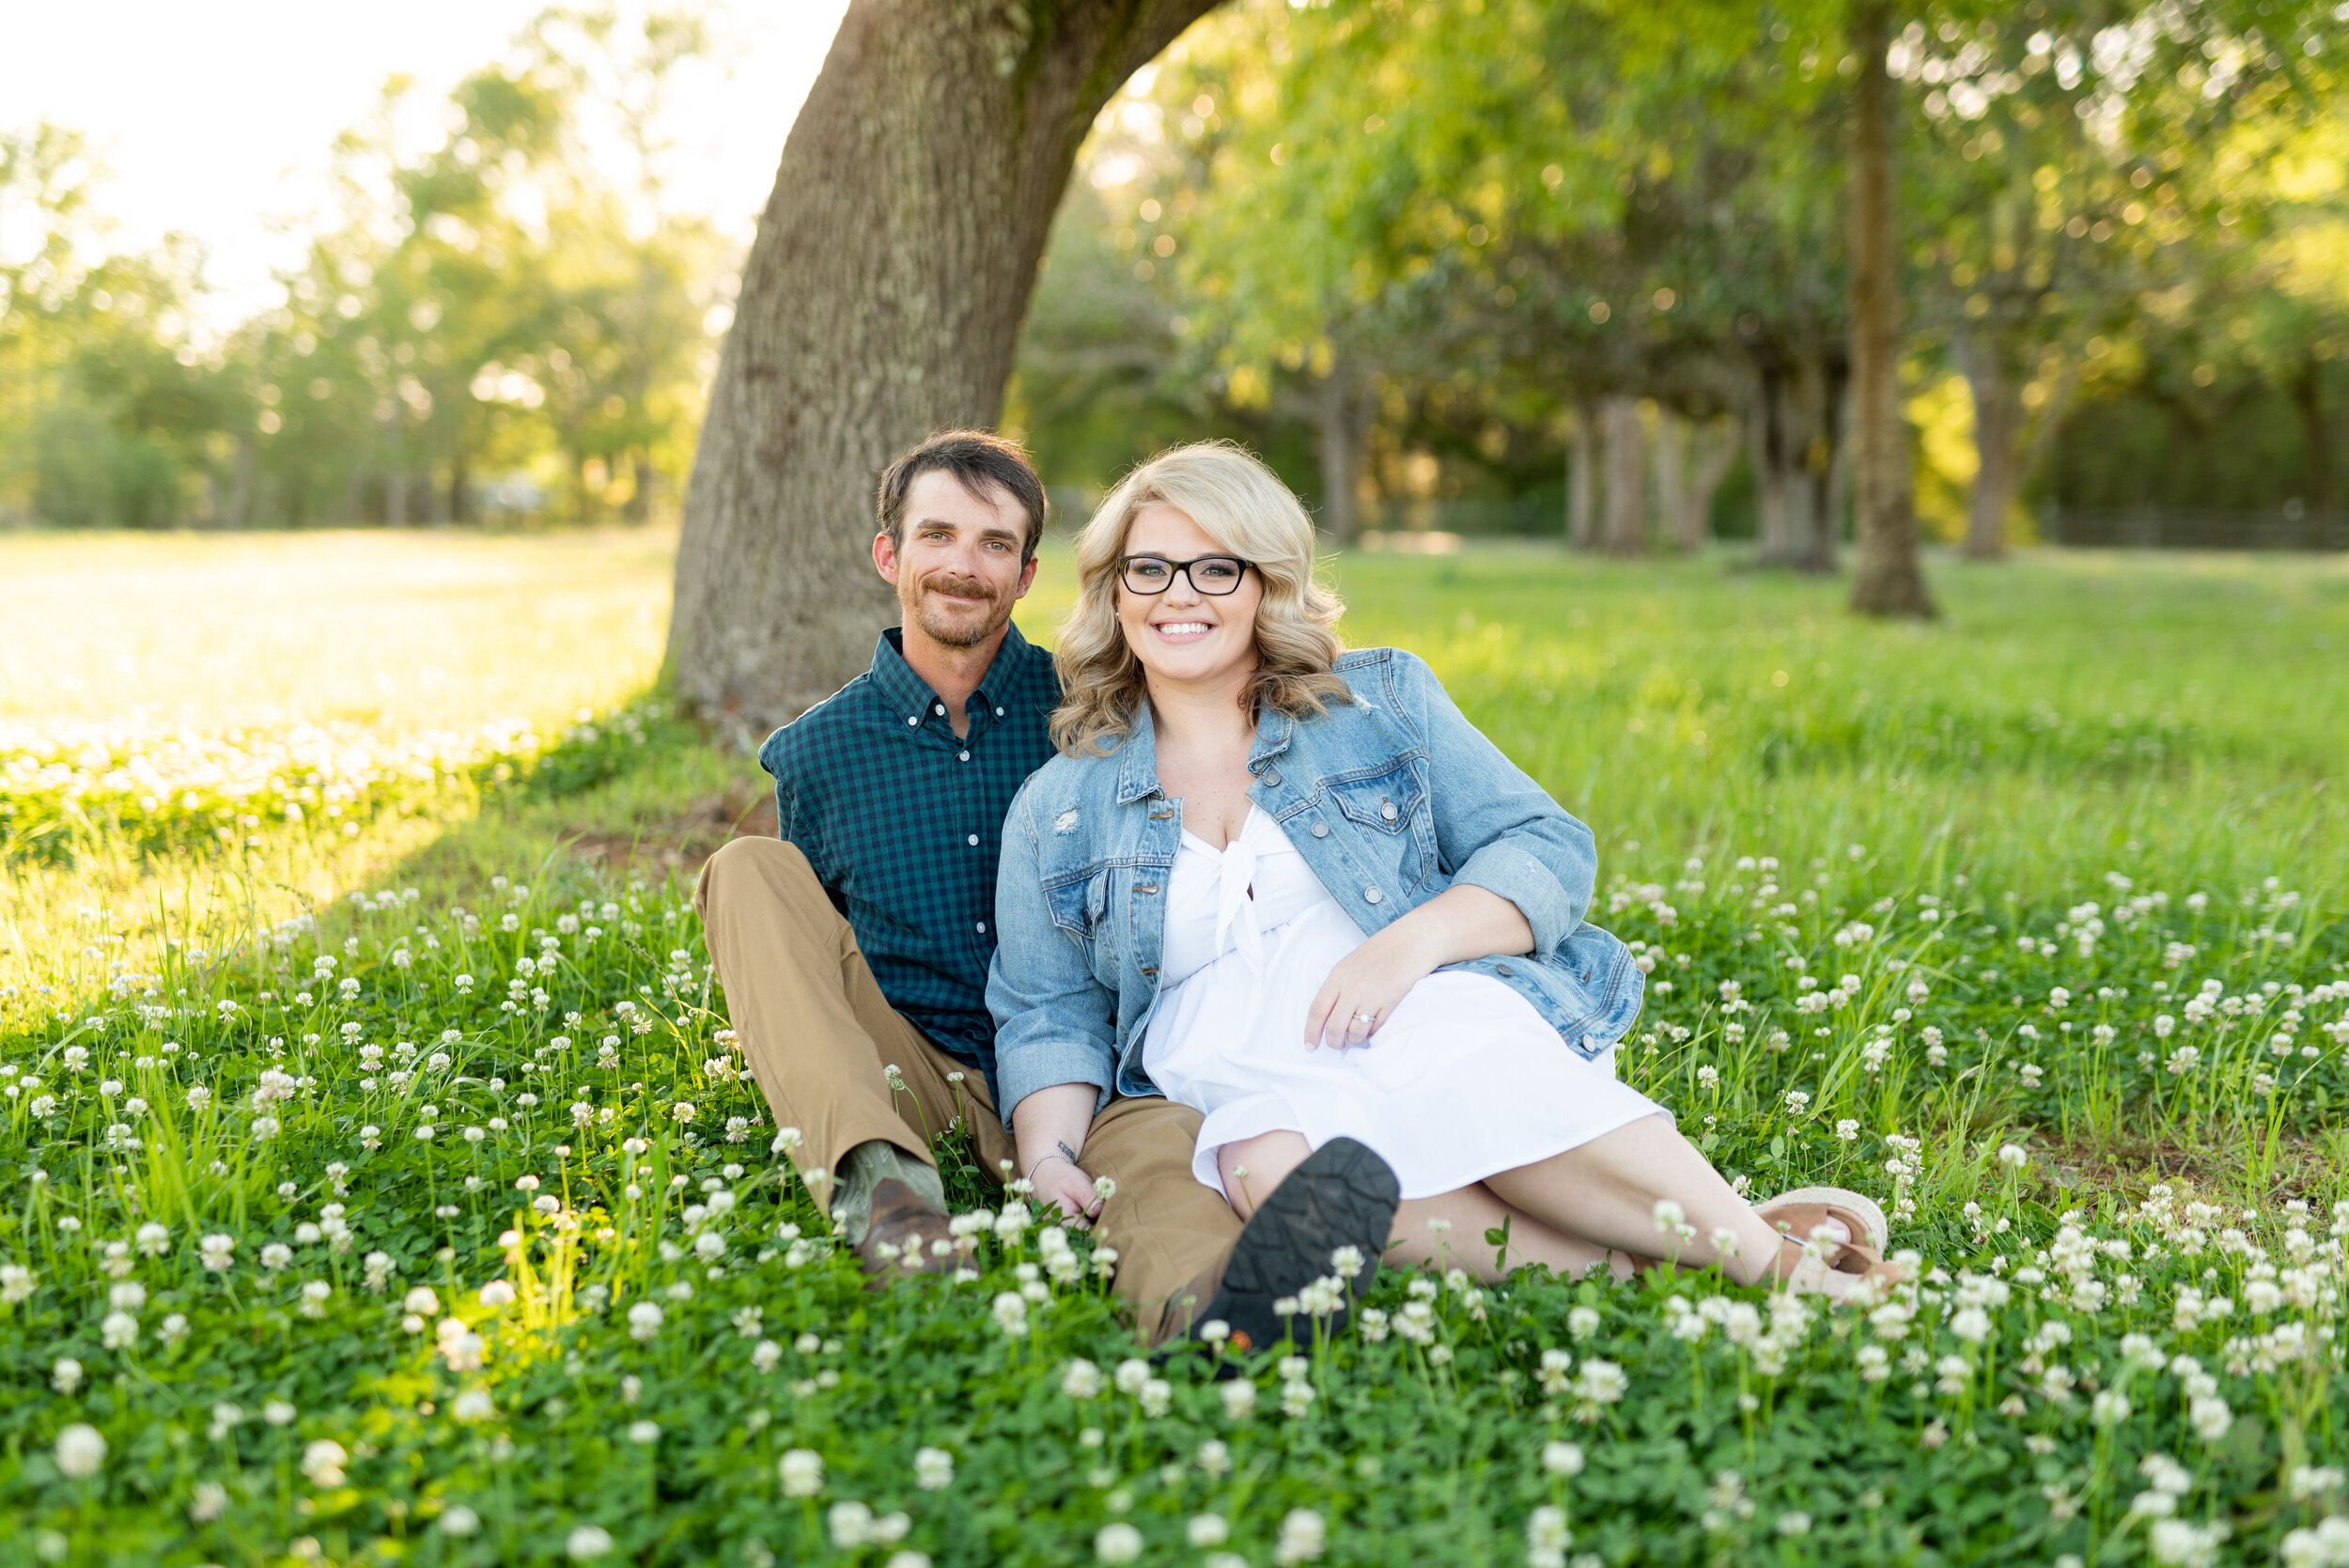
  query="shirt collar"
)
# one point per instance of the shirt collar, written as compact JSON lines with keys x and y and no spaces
{"x":910,"y":694}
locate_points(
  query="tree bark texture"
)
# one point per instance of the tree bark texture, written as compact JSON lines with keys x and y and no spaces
{"x":1625,"y":531}
{"x":1891,"y":581}
{"x":882,"y":301}
{"x":1582,"y":476}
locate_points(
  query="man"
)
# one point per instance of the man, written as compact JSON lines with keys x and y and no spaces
{"x":854,"y":950}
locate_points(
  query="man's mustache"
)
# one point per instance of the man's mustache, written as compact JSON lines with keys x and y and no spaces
{"x":954,"y":587}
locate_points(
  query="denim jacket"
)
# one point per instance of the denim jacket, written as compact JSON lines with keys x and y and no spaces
{"x":1390,"y":799}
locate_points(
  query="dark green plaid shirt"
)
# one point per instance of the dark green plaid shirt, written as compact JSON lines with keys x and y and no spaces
{"x":903,"y":821}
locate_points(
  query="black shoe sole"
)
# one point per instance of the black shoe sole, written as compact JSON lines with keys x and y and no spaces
{"x":1343,"y":1195}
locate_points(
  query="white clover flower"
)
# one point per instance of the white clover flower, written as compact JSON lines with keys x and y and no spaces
{"x":587,"y":1542}
{"x":323,"y":1461}
{"x":422,"y":1300}
{"x":496,"y":1293}
{"x":766,"y":1356}
{"x":277,"y":1412}
{"x":2013,"y":1156}
{"x":1563,"y":1458}
{"x":208,"y":1500}
{"x":1207,"y":1530}
{"x":217,"y":1253}
{"x":2111,"y":1407}
{"x":119,"y":1331}
{"x":65,"y":1374}
{"x":1011,"y":1313}
{"x":17,"y":1283}
{"x":644,"y":1434}
{"x":1239,"y":1398}
{"x":473,"y":1405}
{"x":460,"y":1522}
{"x":1547,"y":1538}
{"x":1117,"y":1543}
{"x":802,"y":1471}
{"x":643,"y":1320}
{"x":1304,"y":1537}
{"x":933,"y":1469}
{"x":81,"y":1450}
{"x":1081,"y":1379}
{"x":276,"y":1255}
{"x":127,"y":1297}
{"x":1582,"y":1322}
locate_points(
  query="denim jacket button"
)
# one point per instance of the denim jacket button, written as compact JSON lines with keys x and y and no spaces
{"x":1321,"y":830}
{"x":1272,"y":778}
{"x":1387,"y":811}
{"x":1371,"y":895}
{"x":1503,"y":971}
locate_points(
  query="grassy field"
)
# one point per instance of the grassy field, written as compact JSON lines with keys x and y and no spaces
{"x":389,"y":1192}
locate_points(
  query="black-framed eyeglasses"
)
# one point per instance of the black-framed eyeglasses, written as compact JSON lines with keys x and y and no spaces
{"x":1212,"y":575}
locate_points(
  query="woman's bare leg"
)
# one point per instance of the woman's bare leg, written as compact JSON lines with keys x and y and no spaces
{"x":1253,"y":1167}
{"x":1606,"y":1192}
{"x":1466,"y":1214}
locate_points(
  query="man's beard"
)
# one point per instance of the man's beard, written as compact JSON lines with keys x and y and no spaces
{"x":957,"y":633}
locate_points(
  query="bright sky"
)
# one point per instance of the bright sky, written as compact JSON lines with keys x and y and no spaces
{"x":216,"y":118}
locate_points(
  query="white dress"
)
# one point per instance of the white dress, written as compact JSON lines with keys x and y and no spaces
{"x":1463,"y":1080}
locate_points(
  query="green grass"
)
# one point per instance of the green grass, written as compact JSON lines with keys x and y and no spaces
{"x":1865,"y":893}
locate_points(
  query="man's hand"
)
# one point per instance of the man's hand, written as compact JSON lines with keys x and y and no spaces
{"x":1061,"y":1182}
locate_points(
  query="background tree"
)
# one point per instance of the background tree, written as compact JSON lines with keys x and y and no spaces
{"x":882,"y":299}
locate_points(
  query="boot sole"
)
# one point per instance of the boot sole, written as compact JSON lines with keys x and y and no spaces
{"x":1343,"y":1195}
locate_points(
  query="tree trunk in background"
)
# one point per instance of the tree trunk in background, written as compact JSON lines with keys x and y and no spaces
{"x":1891,"y":581}
{"x":639,"y":508}
{"x":882,"y":300}
{"x":1716,"y":453}
{"x":1792,"y":442}
{"x":2308,"y":395}
{"x":1341,"y":410}
{"x":238,"y":510}
{"x":458,"y":510}
{"x":1626,"y":489}
{"x":1671,"y":473}
{"x":1582,"y":476}
{"x":1995,"y":383}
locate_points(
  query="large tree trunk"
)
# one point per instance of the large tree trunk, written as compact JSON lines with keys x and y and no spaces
{"x":1671,"y":473}
{"x":1627,"y":486}
{"x":1715,"y":442}
{"x":1993,"y":379}
{"x":882,"y":300}
{"x":1891,"y":581}
{"x":1794,"y":442}
{"x":1341,"y":413}
{"x":1582,"y":476}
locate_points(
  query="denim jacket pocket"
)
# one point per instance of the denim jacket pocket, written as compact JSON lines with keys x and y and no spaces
{"x":1388,"y":802}
{"x":1080,"y":902}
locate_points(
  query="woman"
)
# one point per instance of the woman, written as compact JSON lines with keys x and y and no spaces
{"x":1294,"y":888}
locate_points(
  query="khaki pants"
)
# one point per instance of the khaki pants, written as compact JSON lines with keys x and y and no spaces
{"x":819,"y":1036}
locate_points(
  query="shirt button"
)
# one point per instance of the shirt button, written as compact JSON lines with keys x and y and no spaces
{"x":915,"y":719}
{"x":1321,"y":830}
{"x":974,"y":841}
{"x":982,"y":928}
{"x":1371,"y":895}
{"x":966,"y":756}
{"x":998,"y":713}
{"x":938,"y":708}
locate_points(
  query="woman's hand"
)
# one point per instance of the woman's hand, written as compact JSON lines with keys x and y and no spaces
{"x":1364,"y":988}
{"x":1061,"y":1182}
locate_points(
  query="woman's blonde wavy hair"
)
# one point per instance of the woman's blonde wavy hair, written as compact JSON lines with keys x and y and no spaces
{"x":1245,"y":509}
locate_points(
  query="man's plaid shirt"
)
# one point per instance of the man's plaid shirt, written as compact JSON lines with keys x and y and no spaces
{"x":902,"y":822}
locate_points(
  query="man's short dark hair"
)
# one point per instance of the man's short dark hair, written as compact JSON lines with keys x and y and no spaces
{"x":978,"y":458}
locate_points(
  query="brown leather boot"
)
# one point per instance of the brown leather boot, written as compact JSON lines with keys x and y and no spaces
{"x":897,"y":1243}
